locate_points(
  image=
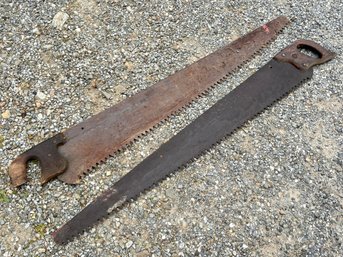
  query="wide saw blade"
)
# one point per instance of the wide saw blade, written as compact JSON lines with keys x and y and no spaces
{"x":273,"y":81}
{"x":74,"y":152}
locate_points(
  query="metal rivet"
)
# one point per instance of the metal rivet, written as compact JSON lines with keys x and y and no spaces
{"x":283,"y":54}
{"x":305,"y":64}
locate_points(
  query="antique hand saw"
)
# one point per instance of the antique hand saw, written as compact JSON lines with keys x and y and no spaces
{"x":274,"y":80}
{"x":69,"y":155}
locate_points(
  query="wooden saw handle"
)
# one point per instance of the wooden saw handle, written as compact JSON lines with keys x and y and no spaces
{"x":292,"y":54}
{"x":51,"y":161}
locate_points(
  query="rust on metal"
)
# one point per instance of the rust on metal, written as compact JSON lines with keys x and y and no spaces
{"x":95,"y":139}
{"x":269,"y":84}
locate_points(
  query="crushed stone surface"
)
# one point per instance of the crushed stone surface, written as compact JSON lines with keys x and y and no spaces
{"x":274,"y":188}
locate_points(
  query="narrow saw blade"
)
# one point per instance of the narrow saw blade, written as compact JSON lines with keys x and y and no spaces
{"x":269,"y":84}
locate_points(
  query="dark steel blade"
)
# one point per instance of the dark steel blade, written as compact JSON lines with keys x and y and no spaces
{"x":267,"y":85}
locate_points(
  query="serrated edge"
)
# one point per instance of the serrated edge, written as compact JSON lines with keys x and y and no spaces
{"x":187,"y":105}
{"x":73,"y":235}
{"x":195,"y":158}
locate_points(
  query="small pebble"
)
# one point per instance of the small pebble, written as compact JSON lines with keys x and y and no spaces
{"x":59,"y":19}
{"x":6,"y":114}
{"x":128,"y":244}
{"x":40,"y":96}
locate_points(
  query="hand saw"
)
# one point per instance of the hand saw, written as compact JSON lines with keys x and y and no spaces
{"x":274,"y":80}
{"x":69,"y":155}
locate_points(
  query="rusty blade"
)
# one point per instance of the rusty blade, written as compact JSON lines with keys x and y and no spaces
{"x":269,"y":84}
{"x":93,"y":140}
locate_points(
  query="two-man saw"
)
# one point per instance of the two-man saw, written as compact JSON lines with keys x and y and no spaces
{"x":75,"y":151}
{"x":274,"y":80}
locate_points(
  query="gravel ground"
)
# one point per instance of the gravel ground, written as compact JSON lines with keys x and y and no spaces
{"x":274,"y":188}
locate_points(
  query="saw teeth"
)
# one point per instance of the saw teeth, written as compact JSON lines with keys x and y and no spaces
{"x":191,"y":102}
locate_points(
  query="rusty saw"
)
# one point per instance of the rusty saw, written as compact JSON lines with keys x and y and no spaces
{"x":274,"y":80}
{"x":72,"y":153}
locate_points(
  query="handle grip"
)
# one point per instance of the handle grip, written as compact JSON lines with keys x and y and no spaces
{"x":51,"y":161}
{"x":292,"y":54}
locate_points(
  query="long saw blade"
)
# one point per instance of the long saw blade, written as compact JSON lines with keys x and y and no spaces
{"x":75,"y":151}
{"x":273,"y":81}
